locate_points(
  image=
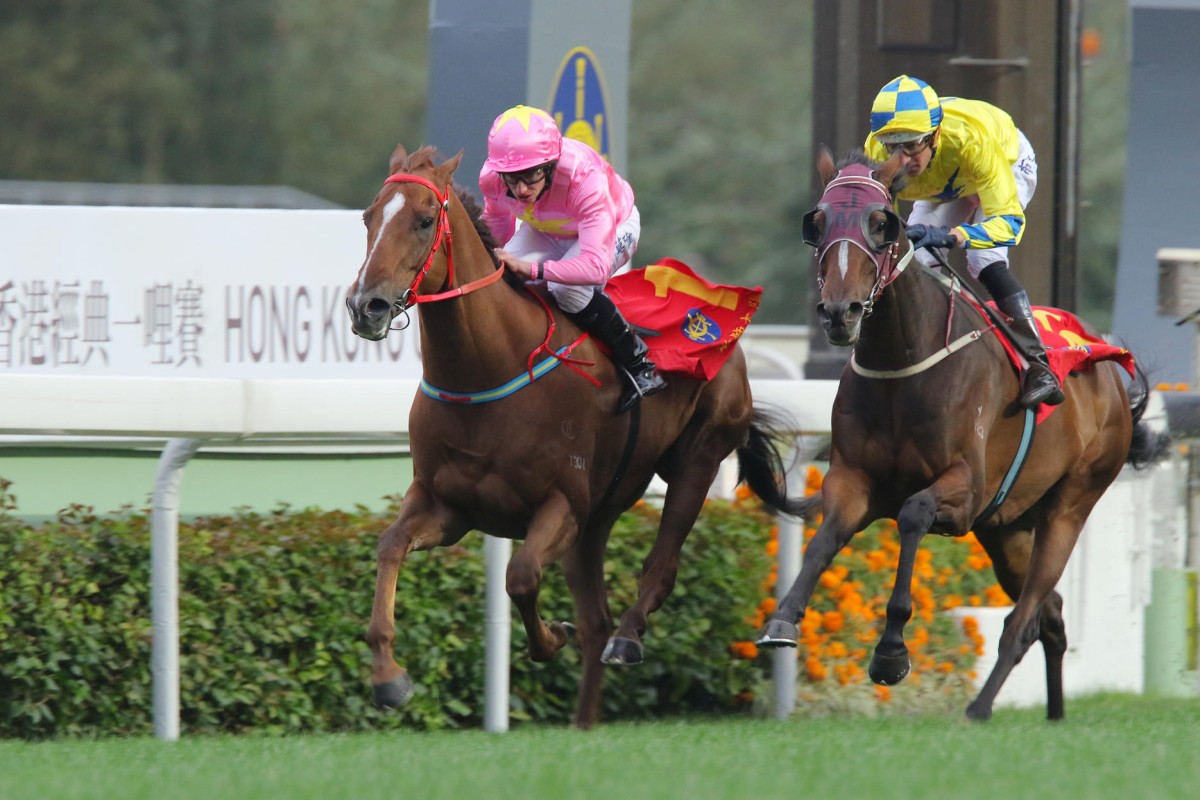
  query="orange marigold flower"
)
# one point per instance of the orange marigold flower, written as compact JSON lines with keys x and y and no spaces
{"x":836,"y":650}
{"x":833,"y":621}
{"x":945,"y":667}
{"x":832,"y":577}
{"x":745,"y":650}
{"x":815,"y":670}
{"x":883,"y":693}
{"x":742,"y":492}
{"x":975,"y":600}
{"x":813,"y":480}
{"x":978,"y":563}
{"x":767,"y":606}
{"x":951,"y":601}
{"x":773,"y":547}
{"x":919,"y":638}
{"x":877,"y":561}
{"x":996,"y":596}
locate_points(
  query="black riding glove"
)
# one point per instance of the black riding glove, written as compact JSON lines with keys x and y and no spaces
{"x":930,"y":236}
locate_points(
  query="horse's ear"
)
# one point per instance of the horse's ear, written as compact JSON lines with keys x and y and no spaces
{"x":886,"y":171}
{"x":398,"y":160}
{"x":447,"y":167}
{"x":825,"y":166}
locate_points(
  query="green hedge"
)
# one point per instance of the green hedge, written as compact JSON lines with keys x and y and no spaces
{"x":272,"y":613}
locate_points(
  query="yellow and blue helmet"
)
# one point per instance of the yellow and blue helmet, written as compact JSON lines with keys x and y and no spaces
{"x":905,"y":109}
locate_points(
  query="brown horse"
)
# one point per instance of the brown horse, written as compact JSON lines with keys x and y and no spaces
{"x":926,"y":434}
{"x":551,"y":464}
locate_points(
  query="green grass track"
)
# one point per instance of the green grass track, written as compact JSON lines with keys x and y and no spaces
{"x":1108,"y":747}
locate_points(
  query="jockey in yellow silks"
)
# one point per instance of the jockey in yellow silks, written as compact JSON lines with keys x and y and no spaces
{"x":970,"y":172}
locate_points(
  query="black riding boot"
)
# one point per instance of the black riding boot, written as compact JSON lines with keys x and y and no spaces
{"x":1038,"y":385}
{"x":601,"y":319}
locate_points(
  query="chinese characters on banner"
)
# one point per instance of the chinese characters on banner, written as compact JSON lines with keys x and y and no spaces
{"x":243,"y":294}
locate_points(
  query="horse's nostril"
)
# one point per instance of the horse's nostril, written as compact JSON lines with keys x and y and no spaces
{"x":821,"y":309}
{"x":377,"y":305}
{"x":855,"y":309}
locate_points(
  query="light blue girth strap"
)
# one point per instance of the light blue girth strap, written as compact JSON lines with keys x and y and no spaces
{"x":1014,"y":470}
{"x":500,"y":392}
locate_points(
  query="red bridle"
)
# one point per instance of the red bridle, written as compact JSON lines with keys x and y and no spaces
{"x":410,"y":296}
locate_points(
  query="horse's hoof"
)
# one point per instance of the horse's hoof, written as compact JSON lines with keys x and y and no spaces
{"x":778,"y":633}
{"x":888,"y":670}
{"x":977,"y":712}
{"x":570,"y":630}
{"x":395,"y":693}
{"x":620,"y":651}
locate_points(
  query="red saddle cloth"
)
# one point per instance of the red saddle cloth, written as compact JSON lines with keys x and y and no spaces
{"x":1069,"y":348}
{"x":699,"y":322}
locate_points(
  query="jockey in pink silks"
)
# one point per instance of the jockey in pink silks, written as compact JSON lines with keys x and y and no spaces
{"x":567,"y":218}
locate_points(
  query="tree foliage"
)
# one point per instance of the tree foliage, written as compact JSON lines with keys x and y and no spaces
{"x":315,"y":94}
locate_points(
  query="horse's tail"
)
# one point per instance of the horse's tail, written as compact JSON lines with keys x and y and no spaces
{"x":761,"y":467}
{"x":1147,"y":446}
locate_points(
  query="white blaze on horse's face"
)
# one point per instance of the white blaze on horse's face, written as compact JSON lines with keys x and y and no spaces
{"x":844,"y":258}
{"x":390,"y":210}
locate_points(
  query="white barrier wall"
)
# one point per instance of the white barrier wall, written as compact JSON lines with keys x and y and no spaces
{"x":186,"y":292}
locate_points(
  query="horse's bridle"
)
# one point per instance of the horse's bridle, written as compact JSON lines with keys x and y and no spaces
{"x":410,"y":296}
{"x":847,"y":220}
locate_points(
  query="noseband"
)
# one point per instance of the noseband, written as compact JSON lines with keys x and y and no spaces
{"x":848,"y":202}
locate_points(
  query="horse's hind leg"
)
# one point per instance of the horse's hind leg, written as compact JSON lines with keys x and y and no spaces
{"x":551,"y":532}
{"x":1053,"y":635}
{"x":1037,"y":614}
{"x":1011,"y":551}
{"x":422,"y":524}
{"x":583,"y":566}
{"x":681,"y":506}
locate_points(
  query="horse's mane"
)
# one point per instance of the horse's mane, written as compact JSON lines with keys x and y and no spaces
{"x":428,"y":156}
{"x":857,"y":156}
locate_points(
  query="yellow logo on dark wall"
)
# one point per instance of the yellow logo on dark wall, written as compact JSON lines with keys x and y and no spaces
{"x":579,"y":100}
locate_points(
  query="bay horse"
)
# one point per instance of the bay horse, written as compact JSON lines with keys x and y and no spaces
{"x":926,"y":427}
{"x":551,"y":464}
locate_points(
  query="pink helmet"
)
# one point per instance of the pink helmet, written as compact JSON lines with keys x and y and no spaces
{"x":521,"y":138}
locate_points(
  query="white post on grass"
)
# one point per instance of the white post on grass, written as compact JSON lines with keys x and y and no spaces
{"x":498,"y":633}
{"x":784,"y":659}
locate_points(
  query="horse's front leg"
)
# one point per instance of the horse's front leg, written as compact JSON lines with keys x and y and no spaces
{"x":551,"y":532}
{"x":946,"y":501}
{"x":845,"y":510}
{"x":423,"y":523}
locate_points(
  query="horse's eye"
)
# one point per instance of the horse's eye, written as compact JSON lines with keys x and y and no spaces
{"x":426,"y":223}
